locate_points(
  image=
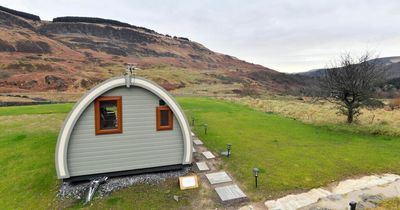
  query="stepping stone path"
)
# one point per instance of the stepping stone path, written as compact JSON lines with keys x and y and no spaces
{"x":365,"y":191}
{"x":208,"y":155}
{"x":219,"y":181}
{"x":230,"y":192}
{"x":197,"y":142}
{"x":202,"y":166}
{"x":218,"y":177}
{"x":292,"y":202}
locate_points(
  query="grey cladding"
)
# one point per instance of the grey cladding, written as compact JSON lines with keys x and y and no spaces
{"x":138,"y":146}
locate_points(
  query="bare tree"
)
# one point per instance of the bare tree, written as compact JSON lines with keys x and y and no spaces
{"x":351,"y":82}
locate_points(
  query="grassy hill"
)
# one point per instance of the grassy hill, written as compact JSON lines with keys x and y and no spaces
{"x":72,"y":54}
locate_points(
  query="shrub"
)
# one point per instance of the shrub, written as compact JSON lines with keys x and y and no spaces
{"x":249,"y":90}
{"x":4,"y":74}
{"x":394,"y":103}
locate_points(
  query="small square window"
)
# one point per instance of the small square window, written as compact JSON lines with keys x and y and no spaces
{"x":164,"y":118}
{"x":108,"y":114}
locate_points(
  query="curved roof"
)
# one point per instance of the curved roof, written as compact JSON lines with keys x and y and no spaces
{"x":89,"y":97}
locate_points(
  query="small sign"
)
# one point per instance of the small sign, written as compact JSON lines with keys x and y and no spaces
{"x":188,"y":182}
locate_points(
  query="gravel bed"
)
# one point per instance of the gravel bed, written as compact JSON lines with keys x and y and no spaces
{"x":79,"y":190}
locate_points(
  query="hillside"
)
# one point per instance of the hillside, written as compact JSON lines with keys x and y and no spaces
{"x":390,"y":88}
{"x":71,"y":54}
{"x":392,"y":64}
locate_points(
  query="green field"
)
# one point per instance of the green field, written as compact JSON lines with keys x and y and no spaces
{"x":28,"y":180}
{"x":292,"y":156}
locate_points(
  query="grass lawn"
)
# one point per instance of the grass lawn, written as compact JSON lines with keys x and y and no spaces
{"x":35,"y":109}
{"x":391,"y":204}
{"x":28,"y":179}
{"x":292,"y":156}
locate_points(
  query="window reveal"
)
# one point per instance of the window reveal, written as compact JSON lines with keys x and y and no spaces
{"x":164,"y":118}
{"x":108,"y":114}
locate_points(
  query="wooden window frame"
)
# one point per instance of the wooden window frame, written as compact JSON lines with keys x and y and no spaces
{"x":170,"y":125}
{"x":97,"y":114}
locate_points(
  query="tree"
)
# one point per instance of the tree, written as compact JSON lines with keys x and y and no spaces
{"x":351,"y":82}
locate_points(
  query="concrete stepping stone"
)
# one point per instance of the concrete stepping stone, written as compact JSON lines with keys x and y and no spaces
{"x":202,"y":166}
{"x":197,"y":142}
{"x":218,"y":177}
{"x":208,"y":155}
{"x":229,"y":193}
{"x":193,"y":149}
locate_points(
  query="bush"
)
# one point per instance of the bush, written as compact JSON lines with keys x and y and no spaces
{"x":394,"y":103}
{"x":4,"y":74}
{"x":249,"y":90}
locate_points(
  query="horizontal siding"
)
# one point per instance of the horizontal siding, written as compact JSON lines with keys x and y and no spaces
{"x":150,"y":133}
{"x":111,"y":150}
{"x":86,"y":171}
{"x":139,"y":146}
{"x":121,"y":160}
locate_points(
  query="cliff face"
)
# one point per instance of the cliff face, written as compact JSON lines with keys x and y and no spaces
{"x":74,"y":56}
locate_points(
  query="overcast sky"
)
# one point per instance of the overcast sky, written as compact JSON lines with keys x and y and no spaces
{"x":285,"y":35}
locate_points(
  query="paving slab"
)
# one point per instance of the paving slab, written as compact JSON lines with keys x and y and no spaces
{"x":197,"y":142}
{"x":368,"y":197}
{"x":292,"y":202}
{"x":202,"y":166}
{"x":364,"y":182}
{"x":208,"y":155}
{"x":230,"y":192}
{"x":218,"y":177}
{"x":372,"y":187}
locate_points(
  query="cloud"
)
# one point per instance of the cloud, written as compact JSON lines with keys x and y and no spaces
{"x":286,"y":35}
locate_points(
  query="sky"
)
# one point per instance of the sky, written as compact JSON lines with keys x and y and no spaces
{"x":285,"y":35}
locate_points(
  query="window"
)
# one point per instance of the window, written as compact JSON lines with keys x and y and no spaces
{"x":108,"y":114}
{"x":164,"y":118}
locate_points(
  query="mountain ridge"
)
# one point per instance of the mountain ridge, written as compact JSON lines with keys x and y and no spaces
{"x":75,"y":53}
{"x":391,"y":62}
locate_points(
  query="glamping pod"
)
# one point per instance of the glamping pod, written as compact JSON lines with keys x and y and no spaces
{"x":125,"y":125}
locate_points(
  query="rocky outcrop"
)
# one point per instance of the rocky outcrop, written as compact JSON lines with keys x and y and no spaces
{"x":28,"y":46}
{"x":20,"y":14}
{"x":6,"y":46}
{"x":54,"y":82}
{"x":72,"y":19}
{"x":10,"y":20}
{"x":108,"y":32}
